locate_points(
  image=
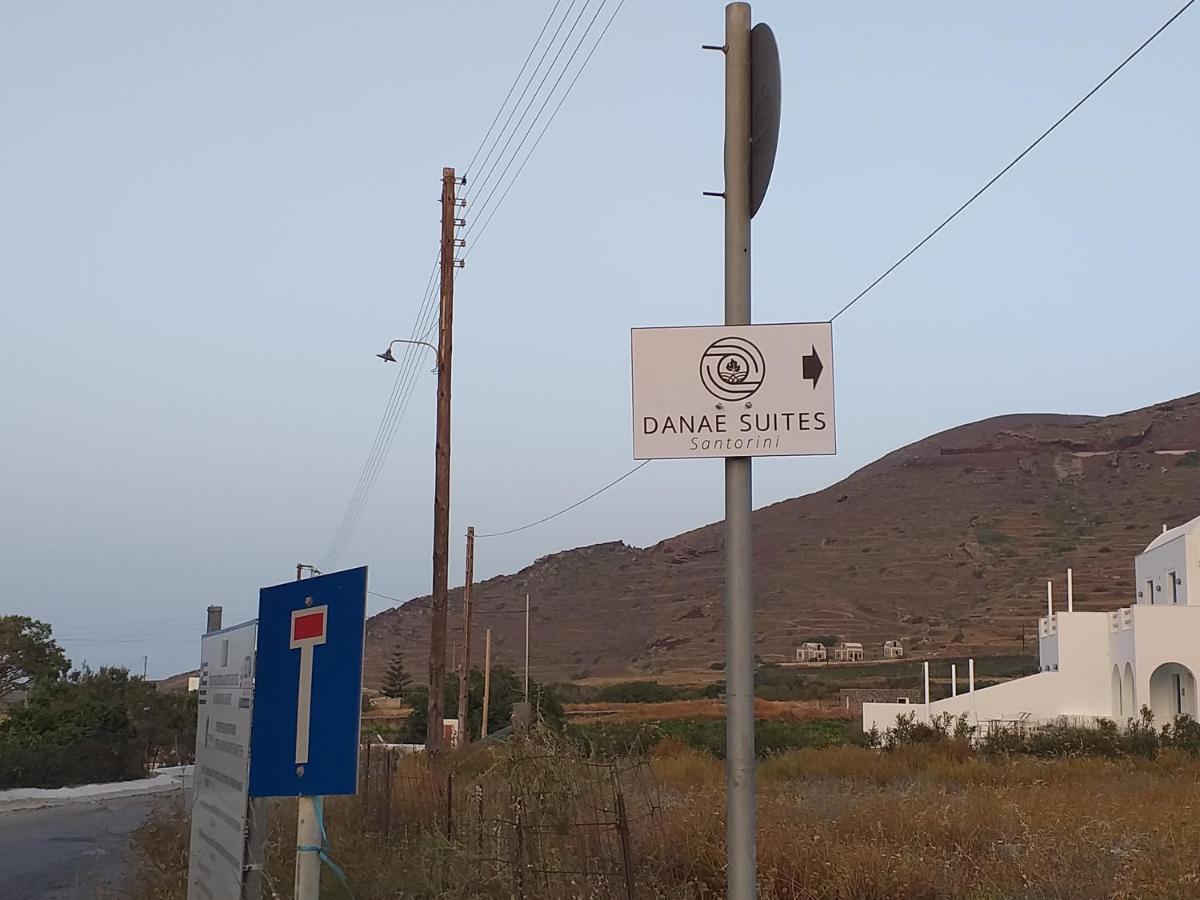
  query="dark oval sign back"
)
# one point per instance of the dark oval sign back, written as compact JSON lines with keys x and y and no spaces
{"x":765,"y":95}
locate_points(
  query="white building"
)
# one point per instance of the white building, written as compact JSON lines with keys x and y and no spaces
{"x":1100,"y":664}
{"x":893,"y":650}
{"x":811,"y":652}
{"x":848,"y":652}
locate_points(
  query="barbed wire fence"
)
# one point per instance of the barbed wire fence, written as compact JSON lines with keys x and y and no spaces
{"x":542,"y":822}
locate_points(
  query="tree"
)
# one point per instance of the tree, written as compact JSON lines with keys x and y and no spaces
{"x":28,"y":654}
{"x":506,"y":690}
{"x":413,"y":729}
{"x":94,"y":725}
{"x":397,"y":679}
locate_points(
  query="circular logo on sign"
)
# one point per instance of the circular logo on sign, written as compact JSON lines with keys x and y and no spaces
{"x":732,"y":368}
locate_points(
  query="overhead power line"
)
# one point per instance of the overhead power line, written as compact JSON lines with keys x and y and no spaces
{"x":532,"y":75}
{"x":545,"y":127}
{"x":402,"y":390}
{"x":410,"y":362}
{"x":404,"y":384}
{"x":496,"y":118}
{"x":566,"y":509}
{"x":950,"y":218}
{"x":533,"y":99}
{"x":386,"y":597}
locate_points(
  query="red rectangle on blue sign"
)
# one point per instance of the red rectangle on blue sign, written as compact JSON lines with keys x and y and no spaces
{"x":309,"y":626}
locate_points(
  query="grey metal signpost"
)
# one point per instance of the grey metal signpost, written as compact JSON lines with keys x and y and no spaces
{"x":740,"y":786}
{"x":744,"y":192}
{"x":737,"y":391}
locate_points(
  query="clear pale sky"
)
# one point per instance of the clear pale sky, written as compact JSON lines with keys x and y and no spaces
{"x":213,"y":216}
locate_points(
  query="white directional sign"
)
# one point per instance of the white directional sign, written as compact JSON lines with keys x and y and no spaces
{"x":217,"y":855}
{"x":733,"y":390}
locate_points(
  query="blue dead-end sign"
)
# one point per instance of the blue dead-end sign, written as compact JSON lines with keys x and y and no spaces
{"x":308,"y":686}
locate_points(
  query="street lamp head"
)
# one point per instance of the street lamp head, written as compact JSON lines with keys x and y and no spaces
{"x":386,"y":355}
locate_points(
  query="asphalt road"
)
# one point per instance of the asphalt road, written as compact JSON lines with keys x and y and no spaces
{"x":69,"y":852}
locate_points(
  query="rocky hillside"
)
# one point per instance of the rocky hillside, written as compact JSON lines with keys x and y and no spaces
{"x":945,"y":544}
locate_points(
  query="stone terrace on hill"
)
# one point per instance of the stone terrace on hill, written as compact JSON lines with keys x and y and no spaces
{"x":945,"y":544}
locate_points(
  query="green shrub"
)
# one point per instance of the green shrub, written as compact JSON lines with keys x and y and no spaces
{"x":1066,"y":740}
{"x":96,"y":758}
{"x":712,"y":691}
{"x":612,"y":739}
{"x":943,"y":729}
{"x":640,"y":692}
{"x":105,"y":725}
{"x":506,"y":689}
{"x":1140,"y":738}
{"x":1182,"y":734}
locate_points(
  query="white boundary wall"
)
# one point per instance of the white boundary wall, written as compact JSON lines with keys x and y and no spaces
{"x":1100,"y":664}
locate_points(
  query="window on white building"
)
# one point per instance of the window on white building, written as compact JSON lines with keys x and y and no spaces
{"x":1150,"y":590}
{"x":1172,"y":590}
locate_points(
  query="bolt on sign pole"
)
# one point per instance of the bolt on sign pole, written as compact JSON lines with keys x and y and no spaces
{"x":464,"y":681}
{"x":434,"y":737}
{"x":739,"y":539}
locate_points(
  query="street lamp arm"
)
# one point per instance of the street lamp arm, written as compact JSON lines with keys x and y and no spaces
{"x":387,"y":356}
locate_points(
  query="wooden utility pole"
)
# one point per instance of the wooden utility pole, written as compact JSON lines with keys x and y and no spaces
{"x":487,"y":680}
{"x":434,"y":738}
{"x":464,"y":680}
{"x":526,"y":648}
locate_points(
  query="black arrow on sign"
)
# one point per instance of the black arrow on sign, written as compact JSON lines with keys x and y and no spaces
{"x":812,"y":367}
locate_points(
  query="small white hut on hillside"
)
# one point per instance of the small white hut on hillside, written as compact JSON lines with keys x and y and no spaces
{"x":850,"y":651}
{"x":1101,"y":664}
{"x":811,"y":652}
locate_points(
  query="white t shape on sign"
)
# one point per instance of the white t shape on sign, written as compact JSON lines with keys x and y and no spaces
{"x":308,"y":631}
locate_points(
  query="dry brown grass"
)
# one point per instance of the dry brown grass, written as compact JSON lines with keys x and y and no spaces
{"x":764,"y":710}
{"x":842,"y":823}
{"x":852,"y":824}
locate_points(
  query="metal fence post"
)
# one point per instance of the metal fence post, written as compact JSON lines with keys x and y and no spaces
{"x":623,"y":837}
{"x":519,"y":862}
{"x":387,"y":795}
{"x":479,"y":816}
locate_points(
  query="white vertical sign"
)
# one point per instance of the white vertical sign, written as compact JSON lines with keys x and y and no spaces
{"x":217,"y":853}
{"x":309,"y":628}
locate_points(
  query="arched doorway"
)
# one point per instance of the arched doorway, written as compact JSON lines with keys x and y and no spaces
{"x":1128,"y":699}
{"x":1172,"y":692}
{"x":1117,"y":710}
